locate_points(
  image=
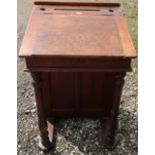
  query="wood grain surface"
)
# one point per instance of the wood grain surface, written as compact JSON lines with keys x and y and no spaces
{"x":77,"y":31}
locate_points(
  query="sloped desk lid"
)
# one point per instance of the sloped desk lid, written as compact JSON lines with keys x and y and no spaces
{"x":74,"y":29}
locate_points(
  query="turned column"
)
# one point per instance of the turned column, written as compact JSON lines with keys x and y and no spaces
{"x":44,"y":142}
{"x":110,"y":124}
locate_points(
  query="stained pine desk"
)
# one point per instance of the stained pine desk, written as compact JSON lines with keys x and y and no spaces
{"x":78,"y":54}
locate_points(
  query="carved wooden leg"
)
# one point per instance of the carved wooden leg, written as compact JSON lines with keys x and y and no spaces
{"x":110,"y":125}
{"x":44,"y":142}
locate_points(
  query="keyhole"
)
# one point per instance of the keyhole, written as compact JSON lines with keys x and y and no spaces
{"x":42,"y":9}
{"x":111,"y":10}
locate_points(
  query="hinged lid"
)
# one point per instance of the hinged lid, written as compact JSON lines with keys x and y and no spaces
{"x":75,"y":29}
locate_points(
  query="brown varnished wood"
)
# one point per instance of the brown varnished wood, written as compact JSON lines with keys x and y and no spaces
{"x":74,"y":3}
{"x":110,"y":124}
{"x":96,"y":92}
{"x":78,"y":55}
{"x":76,"y":33}
{"x":41,"y":112}
{"x":78,"y":94}
{"x":79,"y":62}
{"x":64,"y":84}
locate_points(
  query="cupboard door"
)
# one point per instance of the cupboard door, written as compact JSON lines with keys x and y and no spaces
{"x":96,"y":93}
{"x":64,"y":92}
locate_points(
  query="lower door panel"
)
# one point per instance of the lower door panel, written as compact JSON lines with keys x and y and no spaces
{"x":78,"y":94}
{"x":96,"y":93}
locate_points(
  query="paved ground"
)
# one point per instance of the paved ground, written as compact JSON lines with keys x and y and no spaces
{"x":77,"y":136}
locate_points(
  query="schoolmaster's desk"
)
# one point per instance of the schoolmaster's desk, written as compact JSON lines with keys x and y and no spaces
{"x":77,"y":54}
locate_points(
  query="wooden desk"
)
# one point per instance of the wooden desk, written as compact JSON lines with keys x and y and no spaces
{"x":78,"y":54}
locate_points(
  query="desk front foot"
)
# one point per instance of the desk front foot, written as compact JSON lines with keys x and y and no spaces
{"x":44,"y":145}
{"x":46,"y":140}
{"x":108,"y":133}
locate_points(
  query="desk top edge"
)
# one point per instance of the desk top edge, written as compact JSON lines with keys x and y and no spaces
{"x":22,"y":55}
{"x":97,"y":4}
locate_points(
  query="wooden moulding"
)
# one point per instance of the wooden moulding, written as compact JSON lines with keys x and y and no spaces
{"x":48,"y":2}
{"x":78,"y":65}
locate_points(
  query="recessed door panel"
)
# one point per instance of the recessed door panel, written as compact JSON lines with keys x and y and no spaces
{"x":96,"y":92}
{"x":64,"y":91}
